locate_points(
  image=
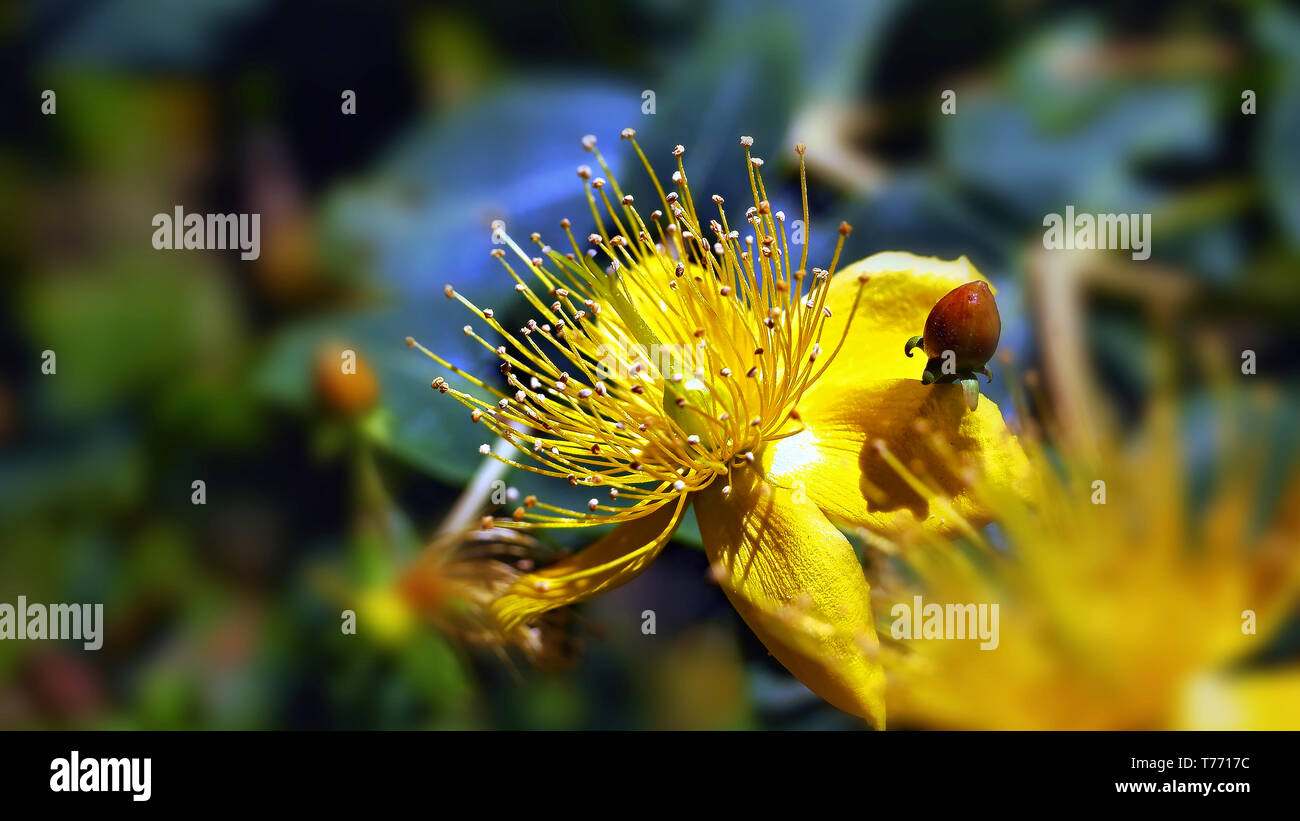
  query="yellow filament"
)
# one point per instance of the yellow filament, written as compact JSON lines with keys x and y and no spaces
{"x":594,"y":405}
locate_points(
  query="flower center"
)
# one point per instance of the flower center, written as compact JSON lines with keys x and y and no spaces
{"x":665,"y":352}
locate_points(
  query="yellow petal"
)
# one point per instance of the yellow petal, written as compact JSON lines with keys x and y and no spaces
{"x":605,"y":564}
{"x":798,"y":585}
{"x":894,"y":304}
{"x":1267,"y":700}
{"x":930,"y":432}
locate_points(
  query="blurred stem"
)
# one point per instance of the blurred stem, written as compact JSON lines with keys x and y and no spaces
{"x":469,"y":505}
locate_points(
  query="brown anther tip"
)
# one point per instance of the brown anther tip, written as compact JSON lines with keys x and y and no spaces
{"x":449,"y":292}
{"x":679,"y":150}
{"x":589,"y":142}
{"x":747,"y":141}
{"x":486,"y":523}
{"x":845,"y":228}
{"x":800,"y":148}
{"x":518,"y":515}
{"x":627,"y":133}
{"x":410,"y":342}
{"x":584,"y":171}
{"x":564,"y":223}
{"x":864,"y":278}
{"x":530,"y":500}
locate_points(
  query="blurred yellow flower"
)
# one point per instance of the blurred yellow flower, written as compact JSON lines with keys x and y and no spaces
{"x":675,"y":362}
{"x":455,"y":580}
{"x":387,"y":615}
{"x":1122,"y":606}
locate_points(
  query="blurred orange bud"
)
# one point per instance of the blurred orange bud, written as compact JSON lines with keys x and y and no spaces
{"x":345,"y":382}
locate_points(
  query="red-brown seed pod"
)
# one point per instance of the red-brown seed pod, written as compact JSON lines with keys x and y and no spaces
{"x":961,"y":336}
{"x":966,"y":322}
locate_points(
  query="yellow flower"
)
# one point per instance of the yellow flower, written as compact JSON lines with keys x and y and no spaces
{"x":456,"y":578}
{"x":674,"y":361}
{"x":1121,"y":605}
